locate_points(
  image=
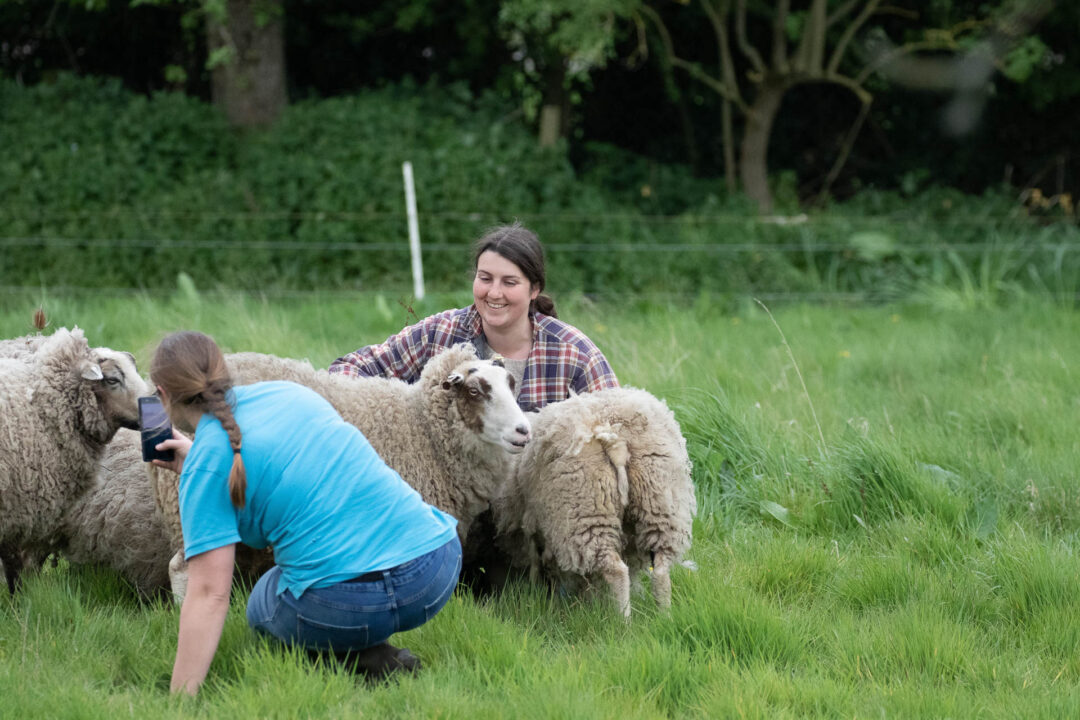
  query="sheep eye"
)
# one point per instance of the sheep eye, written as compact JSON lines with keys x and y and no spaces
{"x":112,"y":380}
{"x":474,"y":392}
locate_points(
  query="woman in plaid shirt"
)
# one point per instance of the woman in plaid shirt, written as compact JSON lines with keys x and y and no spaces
{"x":509,"y":316}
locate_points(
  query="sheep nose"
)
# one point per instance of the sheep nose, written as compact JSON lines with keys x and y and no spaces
{"x":522,"y":429}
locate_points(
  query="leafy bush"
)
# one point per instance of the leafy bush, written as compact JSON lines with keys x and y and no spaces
{"x":100,"y":187}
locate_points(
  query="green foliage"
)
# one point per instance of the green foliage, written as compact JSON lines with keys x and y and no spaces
{"x":1023,"y":59}
{"x":106,"y":188}
{"x":582,"y":32}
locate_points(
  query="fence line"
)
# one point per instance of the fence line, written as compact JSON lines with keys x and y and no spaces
{"x":123,"y":292}
{"x":477,"y":216}
{"x":708,"y":248}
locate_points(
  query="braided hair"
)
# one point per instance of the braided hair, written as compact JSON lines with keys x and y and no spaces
{"x":191,"y":369}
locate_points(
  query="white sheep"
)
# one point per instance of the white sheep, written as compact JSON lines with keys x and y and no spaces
{"x":59,"y":407}
{"x":603,"y":489}
{"x":116,"y":522}
{"x":451,"y":436}
{"x":21,"y":347}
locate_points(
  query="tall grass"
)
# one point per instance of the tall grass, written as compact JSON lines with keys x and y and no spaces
{"x":924,"y":565}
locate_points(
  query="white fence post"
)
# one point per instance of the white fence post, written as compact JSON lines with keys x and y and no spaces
{"x":414,"y":231}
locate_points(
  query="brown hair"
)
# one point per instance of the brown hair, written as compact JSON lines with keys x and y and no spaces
{"x":522,"y":247}
{"x":191,"y":370}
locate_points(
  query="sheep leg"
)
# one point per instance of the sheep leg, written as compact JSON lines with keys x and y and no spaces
{"x":617,"y":575}
{"x":12,"y":561}
{"x":178,"y":576}
{"x":661,"y":580}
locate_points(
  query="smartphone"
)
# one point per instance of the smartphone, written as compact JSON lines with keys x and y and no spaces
{"x":154,"y":426}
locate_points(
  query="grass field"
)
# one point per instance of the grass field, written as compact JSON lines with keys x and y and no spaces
{"x":898,"y":538}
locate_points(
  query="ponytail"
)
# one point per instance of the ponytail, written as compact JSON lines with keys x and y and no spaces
{"x":545,"y":305}
{"x":219,"y":407}
{"x":190,"y":368}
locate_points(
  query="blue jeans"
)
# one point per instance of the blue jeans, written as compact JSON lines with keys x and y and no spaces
{"x":356,"y":615}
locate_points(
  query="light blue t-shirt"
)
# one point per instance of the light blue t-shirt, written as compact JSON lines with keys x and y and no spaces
{"x":317,"y":492}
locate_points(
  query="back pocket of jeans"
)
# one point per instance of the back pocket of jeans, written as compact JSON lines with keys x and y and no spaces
{"x":324,"y":636}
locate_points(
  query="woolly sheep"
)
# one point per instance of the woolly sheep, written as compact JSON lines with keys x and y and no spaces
{"x":59,"y":406}
{"x":116,"y":522}
{"x":451,"y":435}
{"x":603,"y":489}
{"x":21,"y":347}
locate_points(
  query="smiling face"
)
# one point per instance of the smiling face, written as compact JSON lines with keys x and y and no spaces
{"x":502,"y":293}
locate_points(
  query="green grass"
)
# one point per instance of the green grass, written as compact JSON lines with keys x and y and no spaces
{"x":911,"y":553}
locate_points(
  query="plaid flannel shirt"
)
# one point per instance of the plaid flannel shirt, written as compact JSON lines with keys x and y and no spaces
{"x":562,"y":357}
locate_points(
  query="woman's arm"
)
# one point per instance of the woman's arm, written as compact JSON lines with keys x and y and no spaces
{"x":202,"y":616}
{"x":403,"y":355}
{"x":598,"y":374}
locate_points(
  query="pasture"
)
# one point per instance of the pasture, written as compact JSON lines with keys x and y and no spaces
{"x":888,"y":523}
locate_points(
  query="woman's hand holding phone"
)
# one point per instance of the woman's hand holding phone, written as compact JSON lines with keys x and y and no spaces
{"x":179,"y":443}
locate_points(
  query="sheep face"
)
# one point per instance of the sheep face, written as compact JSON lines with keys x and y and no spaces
{"x":117,"y":385}
{"x":483,"y":394}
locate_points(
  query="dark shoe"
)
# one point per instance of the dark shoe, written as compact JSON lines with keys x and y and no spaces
{"x":380,"y":661}
{"x":407,"y":661}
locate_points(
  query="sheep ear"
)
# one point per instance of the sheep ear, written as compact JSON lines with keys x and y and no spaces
{"x":497,"y":361}
{"x":454,"y":378}
{"x":91,"y":371}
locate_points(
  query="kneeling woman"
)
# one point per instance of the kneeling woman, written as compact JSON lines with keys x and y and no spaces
{"x":359,"y":555}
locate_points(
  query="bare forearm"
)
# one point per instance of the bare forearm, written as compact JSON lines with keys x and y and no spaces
{"x":202,"y":618}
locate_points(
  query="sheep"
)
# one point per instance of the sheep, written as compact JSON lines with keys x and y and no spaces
{"x":603,"y":489}
{"x":116,"y":523}
{"x":451,"y":435}
{"x":59,"y":407}
{"x":21,"y":347}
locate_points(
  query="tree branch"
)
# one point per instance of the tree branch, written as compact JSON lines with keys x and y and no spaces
{"x":840,"y":12}
{"x":810,"y":55}
{"x":849,"y":33}
{"x":695,"y":70}
{"x":851,"y":84}
{"x":779,"y":38}
{"x":929,"y":80}
{"x":717,"y":16}
{"x":845,"y":151}
{"x":712,"y":83}
{"x":744,"y":45}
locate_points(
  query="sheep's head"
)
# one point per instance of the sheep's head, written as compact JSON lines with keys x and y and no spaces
{"x":117,"y":385}
{"x":483,"y":394}
{"x":101,"y":385}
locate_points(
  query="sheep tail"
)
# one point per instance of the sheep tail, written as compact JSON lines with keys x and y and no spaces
{"x":619,"y":455}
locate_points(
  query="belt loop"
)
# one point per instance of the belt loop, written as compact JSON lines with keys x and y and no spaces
{"x":389,"y":586}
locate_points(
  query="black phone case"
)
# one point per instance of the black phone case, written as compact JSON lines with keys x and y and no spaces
{"x":150,"y":438}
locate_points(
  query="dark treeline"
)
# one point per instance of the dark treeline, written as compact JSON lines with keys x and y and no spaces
{"x":636,"y":101}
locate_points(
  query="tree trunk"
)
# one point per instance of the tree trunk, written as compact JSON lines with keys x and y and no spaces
{"x":753,"y":160}
{"x":249,"y":84}
{"x":728,"y":135}
{"x":555,"y":110}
